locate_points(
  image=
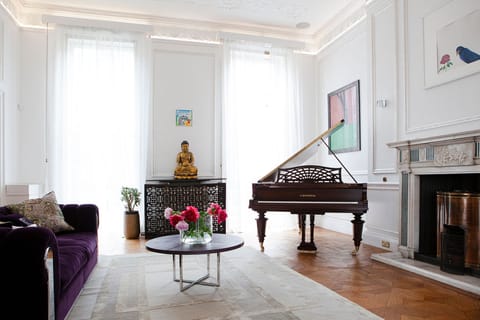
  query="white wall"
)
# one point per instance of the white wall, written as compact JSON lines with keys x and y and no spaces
{"x":186,"y":77}
{"x":9,"y":99}
{"x":22,"y":88}
{"x":383,"y":120}
{"x":32,"y":107}
{"x":382,"y":220}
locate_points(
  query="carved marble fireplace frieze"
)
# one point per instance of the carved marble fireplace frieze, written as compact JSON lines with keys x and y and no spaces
{"x":457,"y":150}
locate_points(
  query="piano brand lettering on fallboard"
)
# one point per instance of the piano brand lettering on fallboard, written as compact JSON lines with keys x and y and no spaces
{"x":309,"y":190}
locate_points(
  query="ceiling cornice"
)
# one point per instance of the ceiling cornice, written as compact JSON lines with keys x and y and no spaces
{"x":30,"y":14}
{"x":345,"y":23}
{"x":32,"y":9}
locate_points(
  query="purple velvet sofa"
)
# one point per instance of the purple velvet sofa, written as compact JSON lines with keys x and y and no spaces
{"x":24,"y":285}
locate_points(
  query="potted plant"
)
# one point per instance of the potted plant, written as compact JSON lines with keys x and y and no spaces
{"x":131,"y":199}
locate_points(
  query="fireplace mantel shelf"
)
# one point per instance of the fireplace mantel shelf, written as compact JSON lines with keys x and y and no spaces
{"x":473,"y":135}
{"x":461,"y":150}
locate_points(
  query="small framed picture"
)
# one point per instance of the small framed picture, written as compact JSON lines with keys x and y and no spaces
{"x":183,"y":117}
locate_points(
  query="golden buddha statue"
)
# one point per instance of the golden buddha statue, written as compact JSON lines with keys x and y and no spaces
{"x":185,"y":168}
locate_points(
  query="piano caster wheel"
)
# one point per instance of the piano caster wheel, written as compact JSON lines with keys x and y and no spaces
{"x":261,"y":247}
{"x":355,"y":251}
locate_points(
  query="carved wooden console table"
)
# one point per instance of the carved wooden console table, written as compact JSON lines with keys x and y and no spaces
{"x":177,"y":194}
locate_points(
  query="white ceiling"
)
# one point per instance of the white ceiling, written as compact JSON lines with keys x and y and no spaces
{"x":278,"y":15}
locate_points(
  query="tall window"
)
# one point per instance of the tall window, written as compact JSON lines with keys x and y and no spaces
{"x":261,"y":124}
{"x":95,"y":142}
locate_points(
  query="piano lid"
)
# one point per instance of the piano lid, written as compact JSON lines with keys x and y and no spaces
{"x":302,"y":155}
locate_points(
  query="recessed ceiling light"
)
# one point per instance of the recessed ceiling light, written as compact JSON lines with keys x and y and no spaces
{"x":302,"y":25}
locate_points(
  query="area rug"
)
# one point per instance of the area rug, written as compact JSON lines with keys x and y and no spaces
{"x":253,"y":287}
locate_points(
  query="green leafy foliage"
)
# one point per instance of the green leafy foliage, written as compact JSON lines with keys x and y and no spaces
{"x":131,"y":198}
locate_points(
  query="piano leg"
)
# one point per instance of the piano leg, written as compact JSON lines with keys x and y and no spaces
{"x":261,"y":226}
{"x":357,"y":231}
{"x":312,"y":227}
{"x":307,"y":247}
{"x":302,"y":219}
{"x":299,"y":224}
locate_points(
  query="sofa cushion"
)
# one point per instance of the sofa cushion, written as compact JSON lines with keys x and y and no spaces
{"x":74,"y":250}
{"x":18,"y":208}
{"x":45,"y":212}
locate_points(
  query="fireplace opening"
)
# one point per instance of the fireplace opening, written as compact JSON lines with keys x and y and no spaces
{"x":429,"y":186}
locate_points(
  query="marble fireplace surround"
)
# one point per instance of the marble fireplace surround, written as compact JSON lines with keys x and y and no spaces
{"x":441,"y":155}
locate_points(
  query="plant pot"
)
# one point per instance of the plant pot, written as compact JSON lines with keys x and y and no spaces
{"x":131,"y":226}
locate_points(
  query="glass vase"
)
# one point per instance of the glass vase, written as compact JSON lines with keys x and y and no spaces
{"x":199,"y":232}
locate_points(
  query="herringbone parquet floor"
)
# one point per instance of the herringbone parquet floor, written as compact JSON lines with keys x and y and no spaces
{"x":391,"y":293}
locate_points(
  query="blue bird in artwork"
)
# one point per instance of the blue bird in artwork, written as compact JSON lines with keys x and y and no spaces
{"x":467,"y":55}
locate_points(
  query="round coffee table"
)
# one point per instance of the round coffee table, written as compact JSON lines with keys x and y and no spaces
{"x":174,"y":246}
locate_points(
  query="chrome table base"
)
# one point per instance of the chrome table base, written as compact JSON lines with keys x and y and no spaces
{"x":199,"y":281}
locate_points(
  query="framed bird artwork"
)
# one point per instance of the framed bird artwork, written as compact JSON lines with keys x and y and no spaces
{"x":452,"y":45}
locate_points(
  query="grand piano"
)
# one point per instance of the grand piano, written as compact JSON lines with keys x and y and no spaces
{"x":308,"y":190}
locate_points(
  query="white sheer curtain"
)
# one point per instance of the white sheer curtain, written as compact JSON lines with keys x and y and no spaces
{"x":262,"y":124}
{"x":97,"y":118}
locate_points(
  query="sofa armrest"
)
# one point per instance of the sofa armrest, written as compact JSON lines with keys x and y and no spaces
{"x":83,"y":217}
{"x":24,"y":283}
{"x":25,"y":246}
